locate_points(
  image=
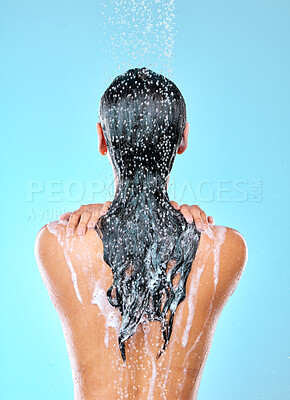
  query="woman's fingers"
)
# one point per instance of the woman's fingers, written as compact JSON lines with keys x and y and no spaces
{"x":197,"y":218}
{"x":105,"y":208}
{"x":175,"y":205}
{"x":85,"y":217}
{"x":93,"y":220}
{"x":210,"y":220}
{"x":203,"y":218}
{"x":184,"y":209}
{"x":73,"y":222}
{"x":195,"y":213}
{"x":82,"y":227}
{"x":95,"y":215}
{"x":65,"y":216}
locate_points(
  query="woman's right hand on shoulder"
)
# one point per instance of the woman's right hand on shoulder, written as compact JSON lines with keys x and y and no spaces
{"x":84,"y":218}
{"x":194,"y":213}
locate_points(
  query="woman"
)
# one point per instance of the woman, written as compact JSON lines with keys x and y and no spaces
{"x":139,"y":302}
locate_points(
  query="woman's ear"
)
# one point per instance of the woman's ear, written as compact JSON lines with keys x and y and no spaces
{"x":184,"y":141}
{"x":101,"y":139}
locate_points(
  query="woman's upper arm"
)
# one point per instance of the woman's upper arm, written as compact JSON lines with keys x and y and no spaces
{"x":54,"y":271}
{"x":232,"y":262}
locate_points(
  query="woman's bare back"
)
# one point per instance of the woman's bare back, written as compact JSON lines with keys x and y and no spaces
{"x":77,"y":279}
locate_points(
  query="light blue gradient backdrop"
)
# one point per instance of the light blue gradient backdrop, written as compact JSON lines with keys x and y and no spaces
{"x":231,"y":62}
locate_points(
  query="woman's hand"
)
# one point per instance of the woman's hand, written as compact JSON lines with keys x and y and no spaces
{"x":194,"y":213}
{"x":84,"y":218}
{"x":87,"y":216}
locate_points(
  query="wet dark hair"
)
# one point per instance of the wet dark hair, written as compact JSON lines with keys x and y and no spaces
{"x":143,"y":116}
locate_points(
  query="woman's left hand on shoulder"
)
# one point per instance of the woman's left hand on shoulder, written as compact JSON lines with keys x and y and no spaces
{"x":84,"y":218}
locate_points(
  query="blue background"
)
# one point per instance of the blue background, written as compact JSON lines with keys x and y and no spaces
{"x":231,"y":62}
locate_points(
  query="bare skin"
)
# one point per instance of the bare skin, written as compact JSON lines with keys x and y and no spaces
{"x":77,"y":278}
{"x":69,"y":256}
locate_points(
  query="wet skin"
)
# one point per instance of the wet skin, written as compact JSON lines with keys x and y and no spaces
{"x":77,"y":279}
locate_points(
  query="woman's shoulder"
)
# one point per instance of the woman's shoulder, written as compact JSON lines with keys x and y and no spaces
{"x":228,"y":257}
{"x":230,"y":239}
{"x":231,"y":245}
{"x":64,"y":263}
{"x":53,"y":245}
{"x":50,"y":237}
{"x":235,"y":245}
{"x":56,"y":231}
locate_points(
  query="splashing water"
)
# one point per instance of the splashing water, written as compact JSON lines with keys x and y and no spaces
{"x":137,"y":33}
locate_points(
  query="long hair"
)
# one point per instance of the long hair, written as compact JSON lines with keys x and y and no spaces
{"x":147,"y":243}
